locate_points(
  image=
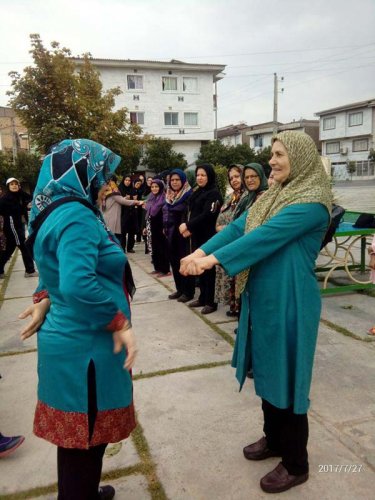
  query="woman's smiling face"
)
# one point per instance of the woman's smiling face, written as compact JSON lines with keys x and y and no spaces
{"x":279,"y":162}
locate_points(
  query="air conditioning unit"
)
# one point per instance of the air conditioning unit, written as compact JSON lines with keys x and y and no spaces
{"x":343,"y":151}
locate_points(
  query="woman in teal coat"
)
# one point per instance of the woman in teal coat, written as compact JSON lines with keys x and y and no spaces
{"x":85,"y":396}
{"x":272,"y":248}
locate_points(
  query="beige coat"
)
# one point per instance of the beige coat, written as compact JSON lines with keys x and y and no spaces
{"x":112,"y":211}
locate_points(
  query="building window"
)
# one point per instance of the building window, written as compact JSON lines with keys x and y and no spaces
{"x":258,"y":141}
{"x":355,"y":119}
{"x":189,"y":84}
{"x":137,"y":117}
{"x":170,"y":119}
{"x":329,"y":123}
{"x":135,"y":97}
{"x":332,"y":148}
{"x":360,"y":145}
{"x":180,"y":99}
{"x":169,"y":83}
{"x":135,"y":82}
{"x":190,"y":119}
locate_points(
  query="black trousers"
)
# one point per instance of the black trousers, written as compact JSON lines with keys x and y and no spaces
{"x":207,"y":287}
{"x":184,"y":284}
{"x":130,"y":241}
{"x":79,"y":471}
{"x":287,"y":433}
{"x":11,"y":244}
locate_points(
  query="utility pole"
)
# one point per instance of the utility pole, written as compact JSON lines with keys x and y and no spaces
{"x":14,"y":141}
{"x":275,"y":98}
{"x":215,"y":134}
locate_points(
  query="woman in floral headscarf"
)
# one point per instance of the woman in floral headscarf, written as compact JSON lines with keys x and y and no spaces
{"x":86,"y":346}
{"x":174,"y":212}
{"x":272,"y":248}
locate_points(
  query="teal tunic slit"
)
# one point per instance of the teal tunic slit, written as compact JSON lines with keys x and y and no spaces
{"x":280,"y":306}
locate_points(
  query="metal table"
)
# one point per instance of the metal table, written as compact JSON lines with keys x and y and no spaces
{"x":346,"y":255}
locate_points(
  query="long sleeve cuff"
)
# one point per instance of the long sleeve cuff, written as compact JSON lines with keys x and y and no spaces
{"x":118,"y":322}
{"x":39,"y":296}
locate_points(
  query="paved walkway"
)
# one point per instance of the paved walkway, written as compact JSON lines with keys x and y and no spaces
{"x":193,"y":421}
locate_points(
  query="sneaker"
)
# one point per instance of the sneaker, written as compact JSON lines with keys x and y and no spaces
{"x":106,"y":492}
{"x":31,"y":275}
{"x":9,"y":444}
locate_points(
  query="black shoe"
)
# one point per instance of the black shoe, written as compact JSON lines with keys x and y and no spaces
{"x":183,"y":298}
{"x":175,"y":295}
{"x":130,"y":251}
{"x":209,"y":309}
{"x":250,"y":373}
{"x":232,"y":314}
{"x":106,"y":492}
{"x":196,"y":303}
{"x":279,"y":480}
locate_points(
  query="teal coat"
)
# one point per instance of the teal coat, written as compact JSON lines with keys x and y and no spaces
{"x":280,"y":307}
{"x":83,"y":271}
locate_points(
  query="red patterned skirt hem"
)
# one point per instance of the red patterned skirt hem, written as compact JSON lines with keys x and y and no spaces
{"x":70,"y":429}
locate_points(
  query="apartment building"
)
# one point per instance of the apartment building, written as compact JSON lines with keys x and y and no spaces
{"x":174,"y":100}
{"x":347,"y":135}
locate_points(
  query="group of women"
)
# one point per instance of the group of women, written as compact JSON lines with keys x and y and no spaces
{"x":85,"y":388}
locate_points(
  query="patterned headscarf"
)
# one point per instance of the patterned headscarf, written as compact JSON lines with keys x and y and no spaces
{"x":72,"y":168}
{"x":176,"y":197}
{"x":307,"y":183}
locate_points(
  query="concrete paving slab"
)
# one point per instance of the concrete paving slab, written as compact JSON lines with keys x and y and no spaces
{"x":171,"y":335}
{"x":10,"y":326}
{"x":36,"y":458}
{"x":355,"y":312}
{"x":19,"y":286}
{"x":150,"y":293}
{"x":208,"y":422}
{"x":132,"y":487}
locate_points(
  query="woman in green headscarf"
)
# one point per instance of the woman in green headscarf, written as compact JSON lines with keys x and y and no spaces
{"x":273,"y":248}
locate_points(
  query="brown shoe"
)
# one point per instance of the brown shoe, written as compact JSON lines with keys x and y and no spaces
{"x":209,"y":309}
{"x":195,"y":303}
{"x":259,"y":450}
{"x":279,"y":480}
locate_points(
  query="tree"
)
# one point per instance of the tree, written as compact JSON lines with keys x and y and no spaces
{"x":56,"y":102}
{"x":371,"y":155}
{"x":217,"y":153}
{"x":351,"y":168}
{"x":160,"y":156}
{"x":25,"y":169}
{"x":263,"y":157}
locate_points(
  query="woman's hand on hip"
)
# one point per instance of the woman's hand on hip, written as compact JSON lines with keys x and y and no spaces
{"x":125,"y":338}
{"x":38,"y":313}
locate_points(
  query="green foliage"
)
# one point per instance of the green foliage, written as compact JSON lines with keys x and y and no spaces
{"x":55,"y":101}
{"x":371,"y":155}
{"x":221,"y":179}
{"x":159,"y":156}
{"x":190,"y":175}
{"x":217,"y":153}
{"x":263,"y":157}
{"x":26,"y":167}
{"x":351,"y":168}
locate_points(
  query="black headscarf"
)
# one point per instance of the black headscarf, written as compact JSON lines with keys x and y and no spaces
{"x":211,"y":181}
{"x":127,"y":190}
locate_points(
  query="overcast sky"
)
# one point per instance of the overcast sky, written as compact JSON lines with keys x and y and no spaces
{"x":324,"y":49}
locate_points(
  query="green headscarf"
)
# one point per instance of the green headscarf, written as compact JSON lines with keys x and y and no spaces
{"x":249,"y":197}
{"x":307,"y":183}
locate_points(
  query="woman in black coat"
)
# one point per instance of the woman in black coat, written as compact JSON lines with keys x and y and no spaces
{"x":129,"y":223}
{"x":13,"y":208}
{"x":204,"y":207}
{"x":174,"y":212}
